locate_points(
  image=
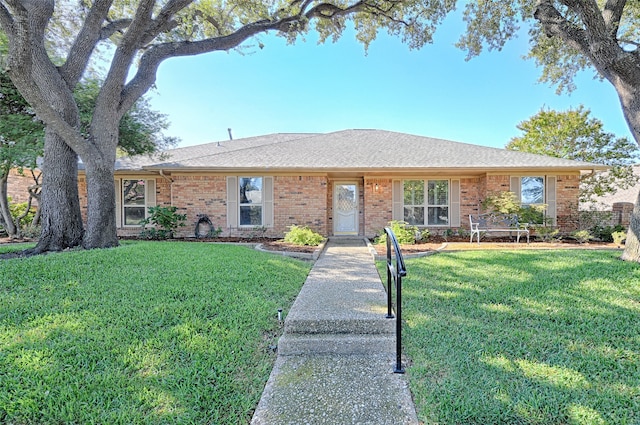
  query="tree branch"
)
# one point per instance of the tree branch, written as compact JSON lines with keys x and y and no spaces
{"x":85,"y":43}
{"x":555,"y":25}
{"x":112,"y":27}
{"x":612,"y":15}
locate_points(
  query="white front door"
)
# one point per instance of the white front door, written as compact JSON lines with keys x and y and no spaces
{"x":345,"y":209}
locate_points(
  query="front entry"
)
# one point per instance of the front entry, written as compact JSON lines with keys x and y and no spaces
{"x":345,"y":209}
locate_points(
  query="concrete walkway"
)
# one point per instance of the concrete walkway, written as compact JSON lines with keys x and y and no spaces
{"x":335,"y":360}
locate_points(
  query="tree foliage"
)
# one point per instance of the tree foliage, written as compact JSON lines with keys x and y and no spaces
{"x":573,"y":134}
{"x":132,"y":39}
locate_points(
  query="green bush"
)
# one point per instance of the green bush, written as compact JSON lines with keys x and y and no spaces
{"x":548,"y":234}
{"x":405,"y":233}
{"x":582,"y":236}
{"x":619,"y":237}
{"x":19,"y":209}
{"x":166,"y":220}
{"x":508,"y":203}
{"x":605,"y":233}
{"x":303,"y":235}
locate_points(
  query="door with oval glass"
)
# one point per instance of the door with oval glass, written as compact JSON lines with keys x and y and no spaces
{"x":345,"y":210}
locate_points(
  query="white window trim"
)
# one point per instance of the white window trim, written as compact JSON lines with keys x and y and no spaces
{"x":426,"y":205}
{"x":261,"y":204}
{"x":149,"y":200}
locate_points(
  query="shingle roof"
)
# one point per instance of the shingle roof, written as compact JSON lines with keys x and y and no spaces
{"x":349,"y":150}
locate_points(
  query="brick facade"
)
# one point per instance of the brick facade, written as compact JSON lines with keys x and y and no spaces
{"x":308,"y":201}
{"x":18,"y":185}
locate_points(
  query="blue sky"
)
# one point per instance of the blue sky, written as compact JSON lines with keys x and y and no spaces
{"x":308,"y":87}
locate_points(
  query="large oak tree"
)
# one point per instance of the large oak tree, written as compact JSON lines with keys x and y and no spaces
{"x":568,"y":36}
{"x":143,"y":34}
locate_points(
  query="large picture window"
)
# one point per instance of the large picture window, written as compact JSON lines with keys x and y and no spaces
{"x":429,"y":210}
{"x":133,"y":201}
{"x":250,"y":201}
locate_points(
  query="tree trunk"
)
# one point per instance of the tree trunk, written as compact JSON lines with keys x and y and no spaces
{"x":101,"y":201}
{"x":61,"y":219}
{"x":630,"y":101}
{"x":632,"y":245}
{"x":5,"y":212}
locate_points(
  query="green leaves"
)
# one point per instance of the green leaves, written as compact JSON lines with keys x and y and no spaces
{"x":575,"y":135}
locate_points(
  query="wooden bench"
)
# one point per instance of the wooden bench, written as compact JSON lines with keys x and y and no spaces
{"x":496,"y":222}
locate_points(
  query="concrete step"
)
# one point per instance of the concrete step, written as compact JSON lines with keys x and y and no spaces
{"x":335,"y":390}
{"x":364,"y":325}
{"x":336,"y":344}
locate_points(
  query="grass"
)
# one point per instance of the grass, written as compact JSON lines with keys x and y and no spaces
{"x":147,"y":333}
{"x":529,"y":337}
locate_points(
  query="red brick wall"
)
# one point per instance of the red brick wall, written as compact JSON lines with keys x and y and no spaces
{"x":567,"y":191}
{"x":18,"y":185}
{"x":472,"y":191}
{"x":308,"y":201}
{"x":300,"y":200}
{"x":378,"y":205}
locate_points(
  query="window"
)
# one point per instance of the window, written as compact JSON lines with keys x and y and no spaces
{"x":133,"y":201}
{"x":532,"y":199}
{"x":531,"y":191}
{"x":250,"y":201}
{"x":432,"y":210}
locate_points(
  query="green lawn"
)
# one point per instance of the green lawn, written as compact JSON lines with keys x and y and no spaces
{"x":147,"y":333}
{"x":528,"y":337}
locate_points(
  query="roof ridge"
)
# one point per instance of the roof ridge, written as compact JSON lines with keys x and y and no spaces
{"x":304,"y":136}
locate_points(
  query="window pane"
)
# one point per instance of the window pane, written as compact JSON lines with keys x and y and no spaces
{"x":532,"y":190}
{"x":438,"y":216}
{"x":438,"y":192}
{"x":251,"y":215}
{"x":414,"y":215}
{"x":133,"y":215}
{"x":251,"y":190}
{"x":413,"y":192}
{"x":133,"y":192}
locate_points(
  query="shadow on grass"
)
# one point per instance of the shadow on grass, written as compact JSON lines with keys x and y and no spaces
{"x":524,"y":337}
{"x":144,"y":333}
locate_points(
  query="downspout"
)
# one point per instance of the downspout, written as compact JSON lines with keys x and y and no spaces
{"x":170,"y":186}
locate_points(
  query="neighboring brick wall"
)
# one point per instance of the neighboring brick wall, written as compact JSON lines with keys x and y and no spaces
{"x":82,"y":193}
{"x":623,"y":211}
{"x":18,"y":185}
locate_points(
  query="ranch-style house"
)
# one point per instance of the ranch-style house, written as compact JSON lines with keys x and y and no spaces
{"x":350,"y":182}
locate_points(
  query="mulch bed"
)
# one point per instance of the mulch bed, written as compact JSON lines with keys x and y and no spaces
{"x":434,"y":243}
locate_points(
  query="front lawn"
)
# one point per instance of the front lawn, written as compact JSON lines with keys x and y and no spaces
{"x":147,"y":333}
{"x":524,"y":337}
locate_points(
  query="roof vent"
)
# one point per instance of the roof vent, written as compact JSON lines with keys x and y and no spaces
{"x":230,"y":136}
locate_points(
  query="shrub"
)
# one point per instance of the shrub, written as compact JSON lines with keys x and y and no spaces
{"x":548,"y":234}
{"x":299,"y":235}
{"x":605,"y":233}
{"x":166,"y":220}
{"x":405,"y":233}
{"x":619,"y":237}
{"x":582,"y":236}
{"x":508,"y":203}
{"x":18,"y":210}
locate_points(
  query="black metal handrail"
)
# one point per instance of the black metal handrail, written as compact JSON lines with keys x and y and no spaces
{"x":395,"y":274}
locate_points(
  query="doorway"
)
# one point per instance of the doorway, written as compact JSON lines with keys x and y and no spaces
{"x":345,"y":209}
